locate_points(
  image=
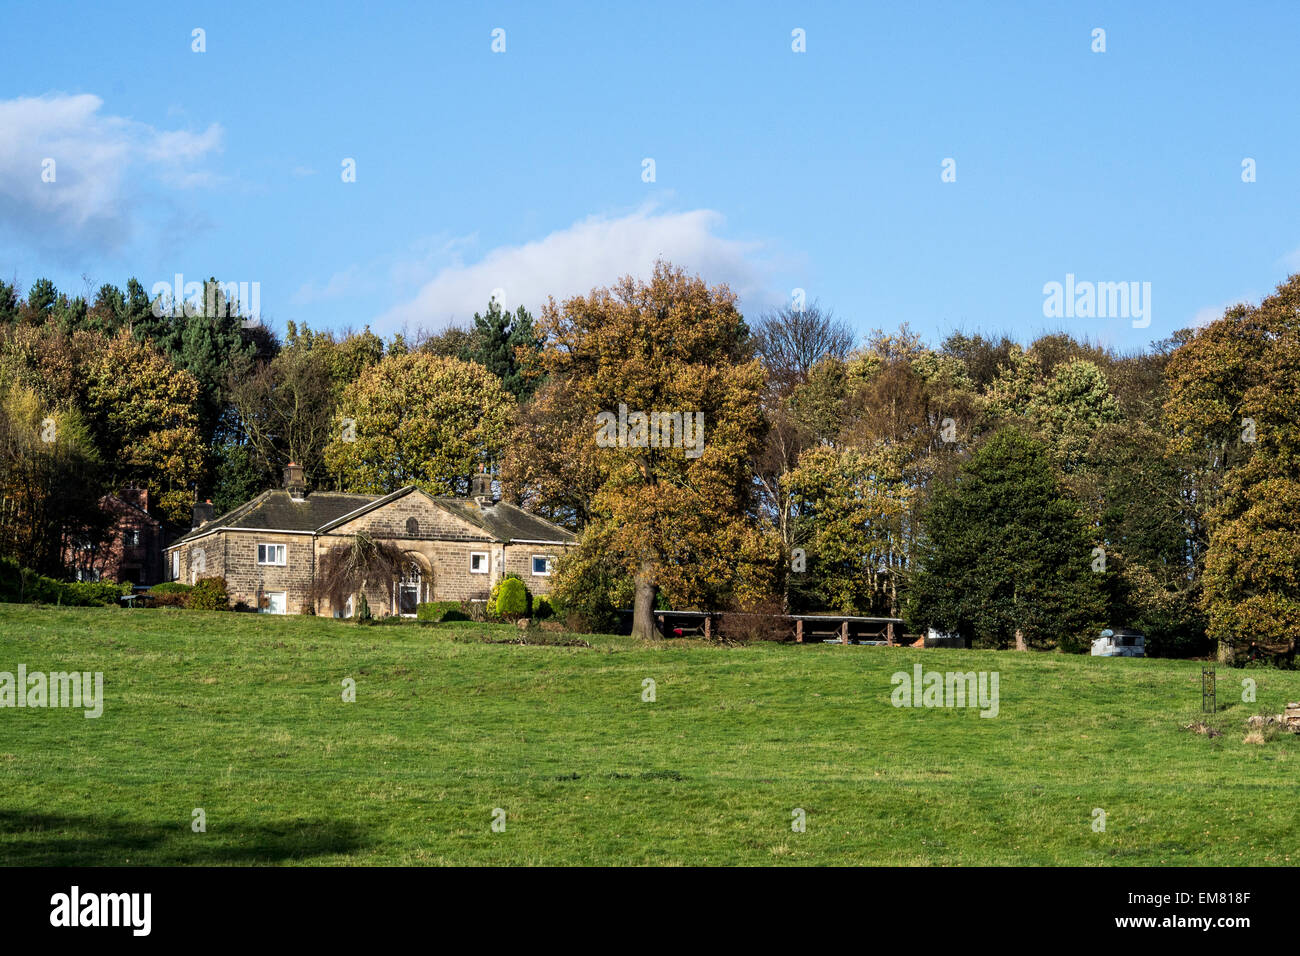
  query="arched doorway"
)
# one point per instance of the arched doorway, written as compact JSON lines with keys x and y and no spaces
{"x":414,"y":586}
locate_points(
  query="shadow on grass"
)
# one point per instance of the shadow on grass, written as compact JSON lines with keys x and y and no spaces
{"x":48,"y":839}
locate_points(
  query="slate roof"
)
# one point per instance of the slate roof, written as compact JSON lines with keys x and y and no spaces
{"x":321,"y":510}
{"x":506,"y":522}
{"x":276,"y":511}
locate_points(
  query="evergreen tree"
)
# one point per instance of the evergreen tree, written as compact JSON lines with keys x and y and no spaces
{"x":499,"y":339}
{"x":1005,"y":557}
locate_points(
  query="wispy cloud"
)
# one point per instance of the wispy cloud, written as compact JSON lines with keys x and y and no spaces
{"x":592,"y":252}
{"x":103,"y":169}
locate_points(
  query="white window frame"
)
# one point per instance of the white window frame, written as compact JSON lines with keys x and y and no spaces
{"x":176,"y":565}
{"x":548,"y":558}
{"x":268,"y":595}
{"x":487,"y":562}
{"x":284,"y":551}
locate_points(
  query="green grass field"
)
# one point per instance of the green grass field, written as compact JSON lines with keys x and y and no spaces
{"x":243,"y":716}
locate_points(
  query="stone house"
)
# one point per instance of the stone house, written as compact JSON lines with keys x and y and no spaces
{"x":268,"y":549}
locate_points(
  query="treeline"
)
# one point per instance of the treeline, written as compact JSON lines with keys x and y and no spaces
{"x":1020,"y":496}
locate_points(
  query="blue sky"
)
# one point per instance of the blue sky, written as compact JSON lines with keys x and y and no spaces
{"x":523,"y":171}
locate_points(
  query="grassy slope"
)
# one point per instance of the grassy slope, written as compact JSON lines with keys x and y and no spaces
{"x":242,"y":715}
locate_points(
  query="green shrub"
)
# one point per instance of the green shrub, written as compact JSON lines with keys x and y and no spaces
{"x":170,"y":594}
{"x":171,"y":587}
{"x":455,"y":616}
{"x":542,"y":608}
{"x":11,"y":581}
{"x":510,"y":598}
{"x":590,"y":588}
{"x":209,"y":595}
{"x":90,"y":593}
{"x":23,"y":585}
{"x":434,"y":612}
{"x":363,"y":609}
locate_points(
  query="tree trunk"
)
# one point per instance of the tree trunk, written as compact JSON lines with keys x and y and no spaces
{"x":643,"y":606}
{"x":1020,"y":640}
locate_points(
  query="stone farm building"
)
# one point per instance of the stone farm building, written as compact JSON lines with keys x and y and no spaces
{"x":269,"y":548}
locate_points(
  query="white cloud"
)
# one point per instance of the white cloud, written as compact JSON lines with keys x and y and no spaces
{"x":593,"y":252}
{"x":104,"y":167}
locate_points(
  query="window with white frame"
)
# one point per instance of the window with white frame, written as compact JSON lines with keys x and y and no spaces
{"x":542,"y":564}
{"x":478,"y":562}
{"x":272,"y":554}
{"x":176,"y":565}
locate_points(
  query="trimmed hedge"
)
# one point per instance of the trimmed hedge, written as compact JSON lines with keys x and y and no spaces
{"x":171,"y":587}
{"x":20,"y":585}
{"x":434,"y":612}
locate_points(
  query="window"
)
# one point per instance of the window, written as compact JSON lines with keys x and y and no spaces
{"x":131,"y":538}
{"x":542,"y":564}
{"x":176,"y":565}
{"x":478,"y":562}
{"x":412,"y":527}
{"x":272,"y":554}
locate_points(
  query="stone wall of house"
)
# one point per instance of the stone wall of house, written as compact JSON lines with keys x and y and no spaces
{"x":444,"y":563}
{"x":519,"y":560}
{"x":233,"y":556}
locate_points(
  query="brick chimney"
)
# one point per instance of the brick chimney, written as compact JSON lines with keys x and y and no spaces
{"x":295,"y":482}
{"x":203,"y":513}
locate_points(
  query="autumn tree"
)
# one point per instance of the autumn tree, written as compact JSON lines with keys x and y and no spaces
{"x":51,"y":478}
{"x":672,"y":514}
{"x":546,"y":469}
{"x":286,"y":411}
{"x":144,"y":414}
{"x":1234,"y":404}
{"x":417,"y":419}
{"x":852,"y":503}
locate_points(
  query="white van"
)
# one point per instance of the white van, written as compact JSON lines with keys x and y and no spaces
{"x":1120,"y":643}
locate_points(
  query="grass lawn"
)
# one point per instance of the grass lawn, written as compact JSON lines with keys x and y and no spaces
{"x":242,"y":715}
